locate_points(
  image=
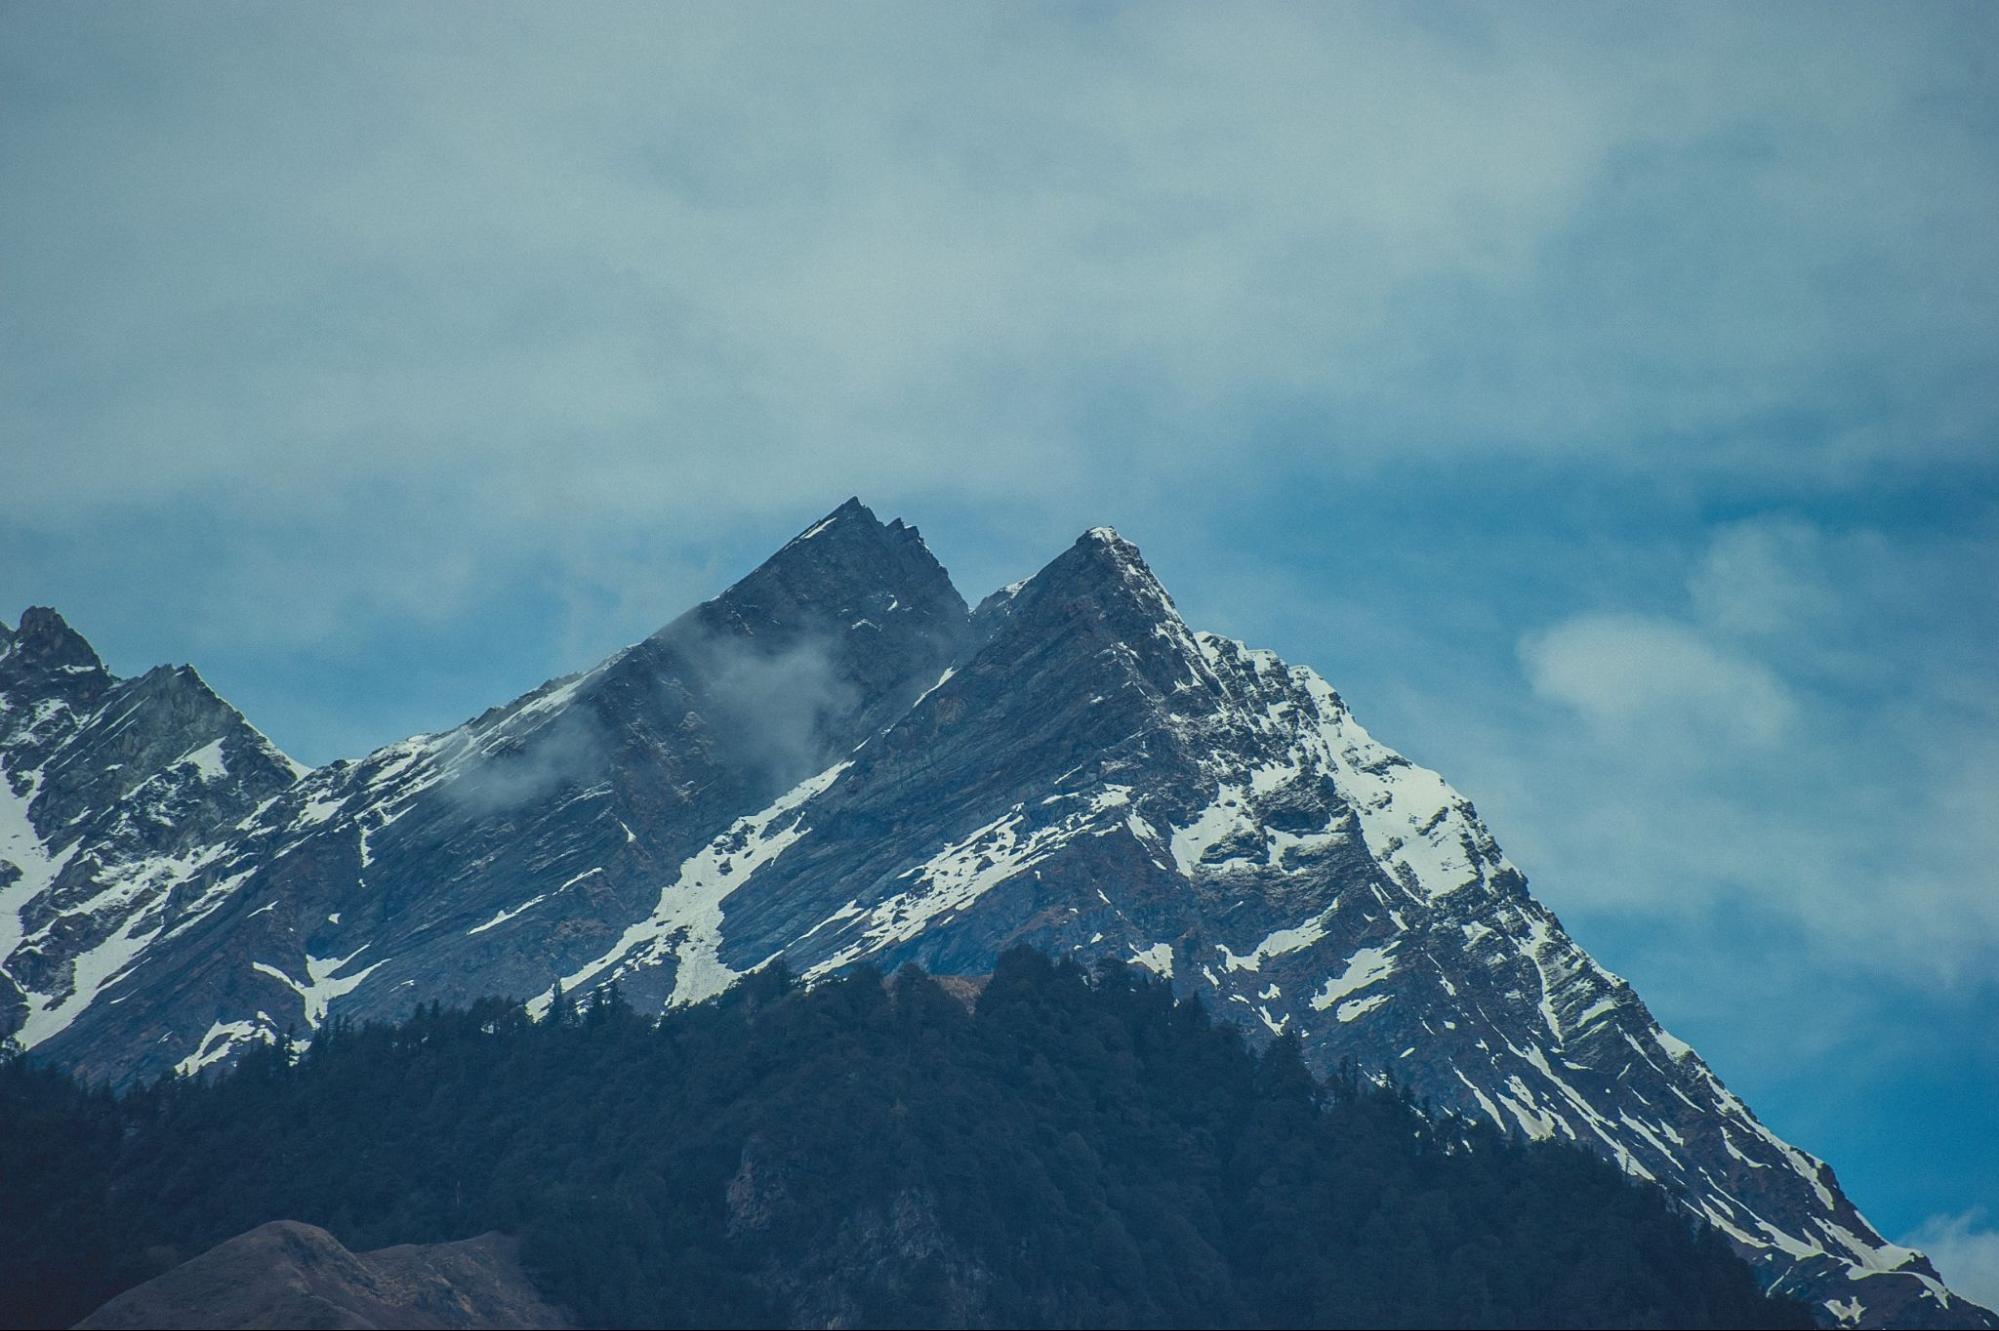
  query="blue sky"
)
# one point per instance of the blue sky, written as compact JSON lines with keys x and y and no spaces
{"x":1604,"y":399}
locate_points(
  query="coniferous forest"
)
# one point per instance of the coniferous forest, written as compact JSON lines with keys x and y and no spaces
{"x":1076,"y":1150}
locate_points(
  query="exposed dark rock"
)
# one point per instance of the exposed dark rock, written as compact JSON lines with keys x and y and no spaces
{"x":120,"y":803}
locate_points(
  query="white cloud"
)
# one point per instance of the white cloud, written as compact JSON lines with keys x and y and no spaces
{"x":1764,"y":578}
{"x":1813,"y":741}
{"x":1655,"y":679}
{"x":746,"y":257}
{"x":427,"y":296}
{"x":1965,"y":1250}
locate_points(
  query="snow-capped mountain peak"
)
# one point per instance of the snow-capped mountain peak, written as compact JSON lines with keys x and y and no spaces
{"x":118,"y":800}
{"x":834,"y":762}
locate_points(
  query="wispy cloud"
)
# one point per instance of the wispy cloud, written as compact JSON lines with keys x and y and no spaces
{"x":773,"y":712}
{"x":1966,"y":1250}
{"x":1790,"y":737}
{"x":501,"y":278}
{"x":1657,"y":680}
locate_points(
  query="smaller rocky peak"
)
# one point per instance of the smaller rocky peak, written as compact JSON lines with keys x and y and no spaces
{"x":850,"y":528}
{"x":1108,"y":538}
{"x":1103,"y":551}
{"x":847,"y":585}
{"x":1099,"y":608}
{"x":906,"y":533}
{"x":168,"y":681}
{"x":45,"y":644}
{"x":1104,"y":578}
{"x":285,"y":1273}
{"x":848,"y":517}
{"x":169,"y":725}
{"x":45,"y":660}
{"x":848,"y":570}
{"x":177,"y":698}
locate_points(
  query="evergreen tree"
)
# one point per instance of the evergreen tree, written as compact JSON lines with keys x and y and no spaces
{"x":1078,"y":1150}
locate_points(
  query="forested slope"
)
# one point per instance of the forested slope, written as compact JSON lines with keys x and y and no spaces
{"x":1079,"y":1150}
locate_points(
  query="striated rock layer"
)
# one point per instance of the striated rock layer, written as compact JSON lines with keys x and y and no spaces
{"x":834,"y":761}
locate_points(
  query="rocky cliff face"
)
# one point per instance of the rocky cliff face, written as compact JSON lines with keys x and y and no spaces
{"x":378,"y":884}
{"x":119,"y":803}
{"x":834,"y":761}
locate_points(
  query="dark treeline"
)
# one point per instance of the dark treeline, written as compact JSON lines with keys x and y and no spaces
{"x":1080,"y":1152}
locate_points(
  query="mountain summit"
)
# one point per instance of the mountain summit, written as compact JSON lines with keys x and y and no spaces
{"x":835,"y":761}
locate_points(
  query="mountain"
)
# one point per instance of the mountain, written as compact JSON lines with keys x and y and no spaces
{"x":119,"y":803}
{"x":835,"y":761}
{"x":288,"y":1274}
{"x":498,"y":856}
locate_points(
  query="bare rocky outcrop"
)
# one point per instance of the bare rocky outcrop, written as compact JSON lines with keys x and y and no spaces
{"x":287,"y":1274}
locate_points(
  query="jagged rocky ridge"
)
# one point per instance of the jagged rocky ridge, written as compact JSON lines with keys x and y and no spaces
{"x":835,"y":760}
{"x":119,"y":803}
